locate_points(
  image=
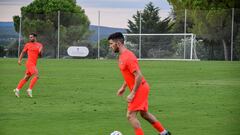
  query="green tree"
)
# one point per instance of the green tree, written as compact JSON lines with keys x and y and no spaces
{"x":41,"y":16}
{"x":211,"y":20}
{"x":104,"y":48}
{"x":237,"y":44}
{"x":2,"y":51}
{"x":151,"y":22}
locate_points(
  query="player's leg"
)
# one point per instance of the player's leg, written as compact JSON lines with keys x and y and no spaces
{"x":132,"y":118}
{"x":155,"y":123}
{"x":33,"y":81}
{"x":23,"y":81}
{"x":21,"y":84}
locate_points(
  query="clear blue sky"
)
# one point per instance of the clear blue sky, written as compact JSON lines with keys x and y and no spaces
{"x":114,"y":13}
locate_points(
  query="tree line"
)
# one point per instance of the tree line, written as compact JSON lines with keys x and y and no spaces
{"x":209,"y":20}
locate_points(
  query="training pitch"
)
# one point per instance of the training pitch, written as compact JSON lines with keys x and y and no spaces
{"x":78,"y":97}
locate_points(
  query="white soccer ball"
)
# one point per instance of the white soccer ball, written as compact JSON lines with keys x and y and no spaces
{"x":116,"y":133}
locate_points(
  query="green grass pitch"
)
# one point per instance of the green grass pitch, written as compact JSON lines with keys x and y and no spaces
{"x":78,"y":97}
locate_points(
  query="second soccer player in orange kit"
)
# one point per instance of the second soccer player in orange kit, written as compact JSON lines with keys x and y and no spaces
{"x":138,"y":97}
{"x":33,"y":50}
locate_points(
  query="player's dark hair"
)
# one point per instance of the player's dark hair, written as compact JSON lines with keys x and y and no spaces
{"x":117,"y":36}
{"x":34,"y":34}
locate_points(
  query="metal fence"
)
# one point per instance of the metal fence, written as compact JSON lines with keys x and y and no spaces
{"x":217,"y":36}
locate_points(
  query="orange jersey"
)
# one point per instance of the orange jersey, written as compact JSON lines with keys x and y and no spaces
{"x":33,"y":49}
{"x":128,"y":63}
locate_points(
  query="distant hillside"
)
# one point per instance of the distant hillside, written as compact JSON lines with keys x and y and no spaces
{"x":6,"y":24}
{"x":7,"y":31}
{"x":104,"y":32}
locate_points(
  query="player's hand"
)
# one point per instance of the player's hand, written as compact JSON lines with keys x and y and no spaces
{"x":130,"y":97}
{"x":120,"y":91}
{"x":19,"y":62}
{"x":40,"y":52}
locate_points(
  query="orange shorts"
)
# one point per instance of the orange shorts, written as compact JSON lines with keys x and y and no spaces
{"x":31,"y":70}
{"x":140,"y":101}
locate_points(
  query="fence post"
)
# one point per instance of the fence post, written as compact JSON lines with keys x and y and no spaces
{"x":19,"y":35}
{"x":185,"y":31}
{"x":58,"y":34}
{"x":232,"y":34}
{"x":140,"y":36}
{"x":98,"y":43}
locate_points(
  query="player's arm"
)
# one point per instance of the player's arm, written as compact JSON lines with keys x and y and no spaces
{"x":122,"y":89}
{"x":20,"y":57}
{"x":138,"y":79}
{"x":40,"y":51}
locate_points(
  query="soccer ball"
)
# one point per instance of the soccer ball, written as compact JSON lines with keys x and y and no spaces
{"x":116,"y":133}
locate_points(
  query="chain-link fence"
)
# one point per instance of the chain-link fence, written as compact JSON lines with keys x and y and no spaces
{"x":217,"y":33}
{"x":162,"y":46}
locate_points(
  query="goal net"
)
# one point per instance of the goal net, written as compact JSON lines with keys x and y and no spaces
{"x":170,"y":46}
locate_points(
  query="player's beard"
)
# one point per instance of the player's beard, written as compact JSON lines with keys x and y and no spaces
{"x":32,"y":40}
{"x":116,"y":50}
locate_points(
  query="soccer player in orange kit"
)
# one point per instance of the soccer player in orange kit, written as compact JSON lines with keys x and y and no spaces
{"x":139,"y":88}
{"x":33,"y":50}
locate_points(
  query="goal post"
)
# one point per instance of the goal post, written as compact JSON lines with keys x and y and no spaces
{"x":164,"y":46}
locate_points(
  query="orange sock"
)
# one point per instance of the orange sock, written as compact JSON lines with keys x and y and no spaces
{"x":138,"y":131}
{"x":21,"y":83}
{"x":158,"y":126}
{"x":33,"y":81}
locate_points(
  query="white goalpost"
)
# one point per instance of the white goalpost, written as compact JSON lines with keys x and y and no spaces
{"x":164,"y":46}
